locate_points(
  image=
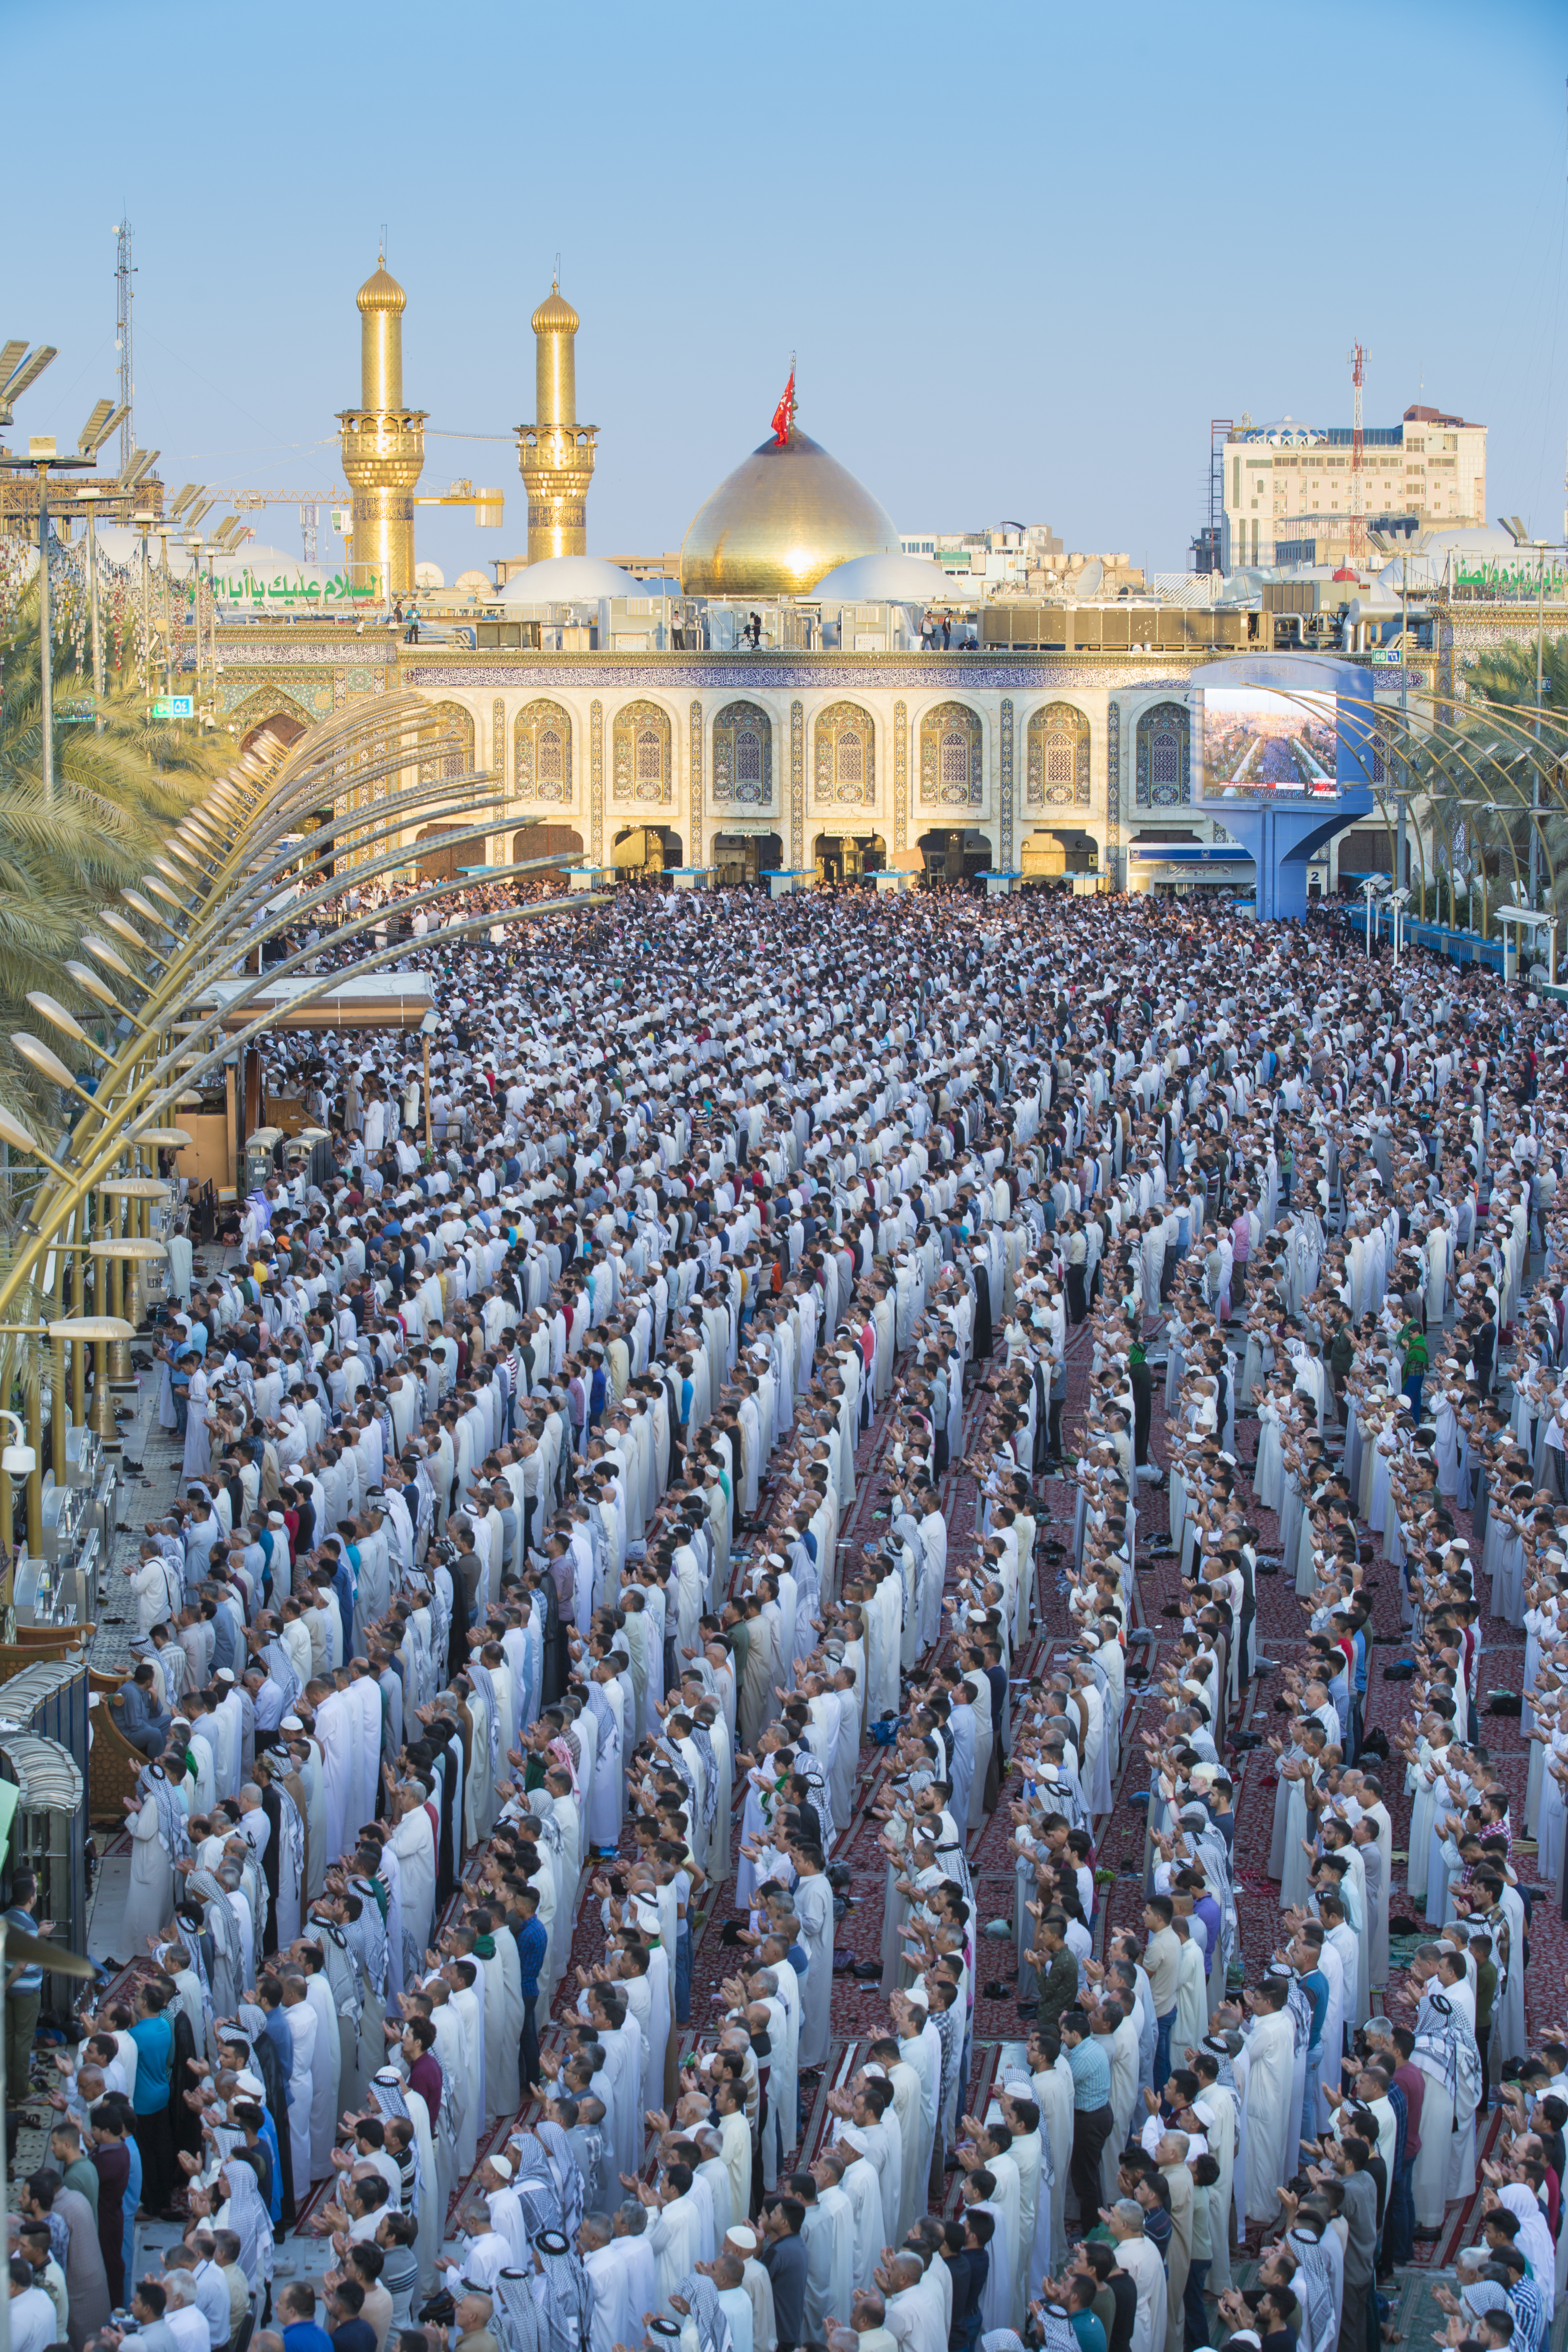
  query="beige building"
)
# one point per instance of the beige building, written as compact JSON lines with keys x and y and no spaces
{"x":1287,"y":486}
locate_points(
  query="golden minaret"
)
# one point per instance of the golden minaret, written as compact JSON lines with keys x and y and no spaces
{"x":384,"y":445}
{"x":556,"y":454}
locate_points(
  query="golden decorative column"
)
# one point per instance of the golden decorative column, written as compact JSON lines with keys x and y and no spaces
{"x":556,"y":454}
{"x":384,"y":445}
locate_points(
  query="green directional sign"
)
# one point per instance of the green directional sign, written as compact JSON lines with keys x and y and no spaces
{"x":172,"y":705}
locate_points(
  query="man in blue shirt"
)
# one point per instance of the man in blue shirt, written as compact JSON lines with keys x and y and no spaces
{"x":1305,"y":1954}
{"x":1091,"y":2108}
{"x":532,"y":1943}
{"x":296,"y":2310}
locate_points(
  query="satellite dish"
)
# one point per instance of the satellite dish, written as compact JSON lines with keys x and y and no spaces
{"x":1089,"y":579}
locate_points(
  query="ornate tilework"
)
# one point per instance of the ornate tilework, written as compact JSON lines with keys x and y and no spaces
{"x":451,"y":720}
{"x":1058,"y":758}
{"x":1164,"y":757}
{"x":743,"y":756}
{"x":909,"y":673}
{"x":1113,"y":788}
{"x":641,"y":755}
{"x":900,"y":776}
{"x":797,"y":786}
{"x":694,"y":729}
{"x":243,"y":706}
{"x":846,"y":756}
{"x":541,"y":752}
{"x":953,"y":771}
{"x":498,"y":741}
{"x":244,"y":650}
{"x":596,"y":781}
{"x":1004,"y":750}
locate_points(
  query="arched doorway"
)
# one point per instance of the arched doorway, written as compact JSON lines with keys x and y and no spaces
{"x":745,"y":857}
{"x":1066,"y":849}
{"x":459,"y":849}
{"x":954,"y":855}
{"x":849,"y":857}
{"x":646,"y":849}
{"x":563,"y":840}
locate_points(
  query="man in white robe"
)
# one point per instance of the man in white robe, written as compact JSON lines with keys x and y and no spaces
{"x":1271,"y":2129}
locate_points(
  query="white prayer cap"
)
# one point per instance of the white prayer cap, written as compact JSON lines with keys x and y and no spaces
{"x":251,"y":2084}
{"x":224,"y":1675}
{"x":744,"y":2241}
{"x":290,"y":1723}
{"x":501,"y":2164}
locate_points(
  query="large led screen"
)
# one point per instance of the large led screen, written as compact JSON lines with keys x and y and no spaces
{"x":1256,"y":739}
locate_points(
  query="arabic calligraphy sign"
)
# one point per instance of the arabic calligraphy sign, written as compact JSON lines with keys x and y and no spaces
{"x":246,"y":587}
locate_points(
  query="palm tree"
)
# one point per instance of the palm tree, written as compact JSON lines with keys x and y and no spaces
{"x":118,"y":786}
{"x":1504,"y":680}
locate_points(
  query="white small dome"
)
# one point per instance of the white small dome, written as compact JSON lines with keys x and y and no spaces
{"x":882,"y":580}
{"x":474,"y":583}
{"x":568,"y":580}
{"x":429,"y":575}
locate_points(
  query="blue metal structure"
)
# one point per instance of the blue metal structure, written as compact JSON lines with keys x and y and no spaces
{"x":1282,"y":832}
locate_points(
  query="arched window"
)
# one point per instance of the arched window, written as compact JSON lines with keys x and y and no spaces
{"x":952,"y":766}
{"x":743,"y":755}
{"x":846,"y":760}
{"x":1165,"y":764}
{"x":1057,"y":769}
{"x":541,"y":765}
{"x":452,"y":741}
{"x":642,"y":754}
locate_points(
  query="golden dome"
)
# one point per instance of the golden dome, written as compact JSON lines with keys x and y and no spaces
{"x":785,"y":516}
{"x":381,"y":292}
{"x":555,"y":315}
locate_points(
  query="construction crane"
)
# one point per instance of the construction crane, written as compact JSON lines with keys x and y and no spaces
{"x":1356,"y":358}
{"x":489,"y":505}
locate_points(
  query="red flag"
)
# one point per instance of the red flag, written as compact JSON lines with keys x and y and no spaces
{"x":783,"y":415}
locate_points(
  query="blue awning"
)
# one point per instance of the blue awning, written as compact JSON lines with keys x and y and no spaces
{"x":1189,"y":854}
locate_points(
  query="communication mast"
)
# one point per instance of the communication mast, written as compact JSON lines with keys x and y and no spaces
{"x":1356,"y":357}
{"x":124,"y":272}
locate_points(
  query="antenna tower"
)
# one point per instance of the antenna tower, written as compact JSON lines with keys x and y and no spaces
{"x":1356,"y":356}
{"x":124,"y":271}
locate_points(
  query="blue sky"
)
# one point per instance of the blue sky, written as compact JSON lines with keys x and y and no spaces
{"x":1023,"y":253}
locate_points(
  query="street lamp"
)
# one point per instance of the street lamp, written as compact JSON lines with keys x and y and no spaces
{"x":1398,"y":899}
{"x":43,"y":459}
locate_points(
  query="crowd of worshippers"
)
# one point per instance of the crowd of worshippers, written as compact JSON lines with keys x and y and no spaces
{"x":653,"y":1249}
{"x":240,"y":1858}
